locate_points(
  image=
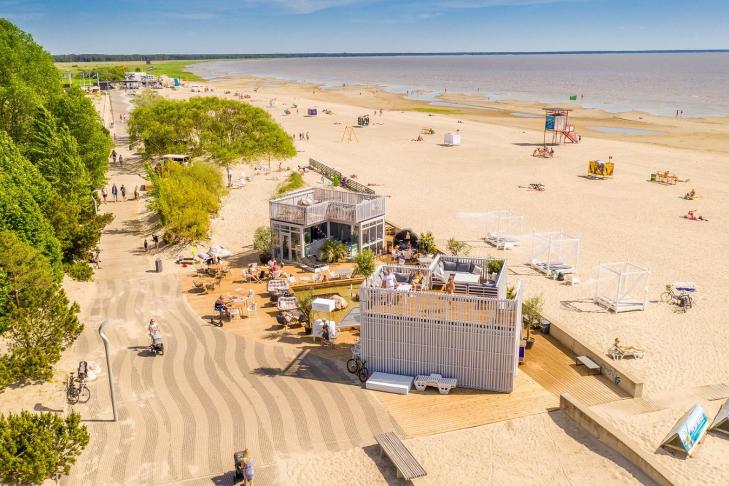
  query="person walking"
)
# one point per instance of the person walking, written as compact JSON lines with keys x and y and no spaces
{"x":136,"y":192}
{"x":146,"y":245}
{"x":155,"y":239}
{"x":307,"y":136}
{"x":121,"y":160}
{"x":113,"y":152}
{"x":229,"y":171}
{"x":123,"y":192}
{"x":103,"y":193}
{"x":114,"y":192}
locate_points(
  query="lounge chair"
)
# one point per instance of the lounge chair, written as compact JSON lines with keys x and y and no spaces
{"x":620,"y":352}
{"x":199,"y":285}
{"x":287,"y":303}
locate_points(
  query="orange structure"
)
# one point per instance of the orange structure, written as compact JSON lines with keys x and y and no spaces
{"x":557,"y":122}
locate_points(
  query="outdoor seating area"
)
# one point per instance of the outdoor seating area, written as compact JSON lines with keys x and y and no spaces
{"x":555,"y":253}
{"x":621,"y":287}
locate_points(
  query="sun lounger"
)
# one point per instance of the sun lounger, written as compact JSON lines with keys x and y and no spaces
{"x":287,"y":303}
{"x":620,"y":352}
{"x":277,"y":285}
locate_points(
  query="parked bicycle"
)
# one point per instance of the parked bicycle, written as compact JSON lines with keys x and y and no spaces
{"x":76,"y":389}
{"x":357,"y":366}
{"x":681,"y":298}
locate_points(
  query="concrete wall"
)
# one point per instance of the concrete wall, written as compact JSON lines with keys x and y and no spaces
{"x":607,"y":365}
{"x":598,"y":428}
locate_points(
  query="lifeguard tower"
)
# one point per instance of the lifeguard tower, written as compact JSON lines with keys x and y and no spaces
{"x":557,"y":123}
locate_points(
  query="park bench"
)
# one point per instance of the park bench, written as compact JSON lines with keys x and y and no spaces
{"x":592,"y":367}
{"x":407,"y":466}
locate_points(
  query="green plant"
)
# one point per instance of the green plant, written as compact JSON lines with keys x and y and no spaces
{"x":427,"y":243}
{"x":335,"y":181}
{"x":531,"y":311}
{"x":80,"y":271}
{"x":292,"y":182}
{"x":333,"y":251}
{"x":456,"y":247}
{"x":510,"y":292}
{"x":262,"y":239}
{"x":364,"y":263}
{"x":35,"y":447}
{"x":304,"y":301}
{"x":495,"y":266}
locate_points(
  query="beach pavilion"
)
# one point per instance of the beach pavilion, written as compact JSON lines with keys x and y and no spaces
{"x":302,"y":221}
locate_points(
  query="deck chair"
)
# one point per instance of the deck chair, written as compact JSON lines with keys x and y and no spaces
{"x":620,"y":352}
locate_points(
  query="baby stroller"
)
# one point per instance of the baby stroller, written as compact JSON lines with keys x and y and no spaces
{"x":157,"y":347}
{"x":243,"y":467}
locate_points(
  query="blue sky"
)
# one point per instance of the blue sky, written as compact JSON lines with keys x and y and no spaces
{"x":266,"y":26}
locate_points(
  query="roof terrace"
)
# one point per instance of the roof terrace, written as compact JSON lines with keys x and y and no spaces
{"x":312,"y":206}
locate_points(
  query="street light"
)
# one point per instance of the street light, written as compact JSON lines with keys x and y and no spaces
{"x":108,"y":366}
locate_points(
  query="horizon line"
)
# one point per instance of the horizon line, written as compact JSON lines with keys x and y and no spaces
{"x":180,"y":56}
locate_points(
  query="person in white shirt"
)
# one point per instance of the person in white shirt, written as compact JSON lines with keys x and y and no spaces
{"x":390,"y":280}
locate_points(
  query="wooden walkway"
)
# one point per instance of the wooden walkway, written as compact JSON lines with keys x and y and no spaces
{"x":553,"y":366}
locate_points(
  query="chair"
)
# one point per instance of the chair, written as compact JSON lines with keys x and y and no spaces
{"x":251,"y":308}
{"x":200,"y":285}
{"x":234,"y":313}
{"x":620,"y":352}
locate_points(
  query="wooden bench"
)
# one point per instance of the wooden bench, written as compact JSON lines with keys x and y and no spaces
{"x":592,"y":367}
{"x":407,"y":466}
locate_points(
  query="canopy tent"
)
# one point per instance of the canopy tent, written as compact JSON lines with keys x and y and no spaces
{"x":555,"y":252}
{"x":622,"y":287}
{"x":504,"y":228}
{"x":688,"y":431}
{"x":452,"y":139}
{"x":321,"y":304}
{"x":721,"y":421}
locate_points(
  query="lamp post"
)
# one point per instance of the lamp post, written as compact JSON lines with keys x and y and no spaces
{"x":108,"y":366}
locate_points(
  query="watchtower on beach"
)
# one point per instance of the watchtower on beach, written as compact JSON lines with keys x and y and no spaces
{"x":558,"y":124}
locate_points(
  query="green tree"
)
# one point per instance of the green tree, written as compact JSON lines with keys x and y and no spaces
{"x":333,"y":251}
{"x":37,"y":319}
{"x":262,"y":239}
{"x":75,"y":111}
{"x":426,"y":243}
{"x":364,"y":263}
{"x":39,"y":446}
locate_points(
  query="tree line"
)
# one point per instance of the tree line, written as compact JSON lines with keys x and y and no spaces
{"x":53,"y":154}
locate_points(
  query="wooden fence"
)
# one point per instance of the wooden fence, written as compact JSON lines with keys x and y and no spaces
{"x":329,"y":172}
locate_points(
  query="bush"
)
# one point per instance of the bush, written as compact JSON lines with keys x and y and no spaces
{"x":80,"y":271}
{"x":426,"y":244}
{"x":333,"y":251}
{"x":304,"y":300}
{"x":335,"y":181}
{"x":365,"y":263}
{"x":531,"y":311}
{"x":293,"y":181}
{"x":495,"y":266}
{"x":262,"y":239}
{"x":35,"y":447}
{"x":456,"y":247}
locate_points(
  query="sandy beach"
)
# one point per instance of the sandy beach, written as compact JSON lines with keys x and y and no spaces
{"x":627,"y":218}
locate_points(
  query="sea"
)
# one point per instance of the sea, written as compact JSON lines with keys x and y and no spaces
{"x":696,"y":83}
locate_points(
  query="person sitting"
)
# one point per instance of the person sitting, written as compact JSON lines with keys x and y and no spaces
{"x":221,"y":306}
{"x":417,"y":281}
{"x":694,"y":217}
{"x":691,"y":194}
{"x":450,"y":286}
{"x":271,"y":261}
{"x":252,"y":275}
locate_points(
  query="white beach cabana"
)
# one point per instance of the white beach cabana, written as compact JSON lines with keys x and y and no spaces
{"x":555,"y":252}
{"x":504,"y":228}
{"x":622,"y":286}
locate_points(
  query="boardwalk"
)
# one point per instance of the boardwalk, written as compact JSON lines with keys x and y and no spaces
{"x":182,"y":415}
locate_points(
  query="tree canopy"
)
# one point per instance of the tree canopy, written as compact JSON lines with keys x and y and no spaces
{"x":225,"y":130}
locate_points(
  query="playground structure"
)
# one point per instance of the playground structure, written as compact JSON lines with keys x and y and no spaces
{"x":349,"y":134}
{"x":599,"y":169}
{"x":557,"y":122}
{"x":555,"y":253}
{"x":622,"y":287}
{"x":504,"y":229}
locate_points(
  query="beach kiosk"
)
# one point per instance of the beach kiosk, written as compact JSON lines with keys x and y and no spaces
{"x":451,"y":139}
{"x":688,"y":432}
{"x":557,"y":126}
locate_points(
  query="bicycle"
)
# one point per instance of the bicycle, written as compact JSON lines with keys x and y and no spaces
{"x":77,"y":394}
{"x":356,"y":366}
{"x":682,"y":299}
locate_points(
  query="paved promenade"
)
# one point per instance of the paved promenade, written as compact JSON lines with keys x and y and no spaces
{"x":182,"y":415}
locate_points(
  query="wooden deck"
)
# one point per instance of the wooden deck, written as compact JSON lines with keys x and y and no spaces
{"x":553,"y":366}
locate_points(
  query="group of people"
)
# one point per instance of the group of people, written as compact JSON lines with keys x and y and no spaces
{"x":303,"y":136}
{"x":117,"y":157}
{"x":155,"y":240}
{"x":252,"y":273}
{"x":117,"y":191}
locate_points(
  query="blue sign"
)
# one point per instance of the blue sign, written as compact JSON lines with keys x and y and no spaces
{"x":692,"y":429}
{"x":549,"y":124}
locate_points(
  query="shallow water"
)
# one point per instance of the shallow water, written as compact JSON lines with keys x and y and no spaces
{"x":696,"y":83}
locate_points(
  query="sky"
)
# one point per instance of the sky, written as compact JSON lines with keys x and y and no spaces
{"x":297,"y":26}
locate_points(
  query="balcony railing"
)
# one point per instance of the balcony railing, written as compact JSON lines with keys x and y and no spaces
{"x":333,"y":205}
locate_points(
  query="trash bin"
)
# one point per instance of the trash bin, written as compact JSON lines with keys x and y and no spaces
{"x":653,"y":178}
{"x":545,"y":326}
{"x":158,"y":265}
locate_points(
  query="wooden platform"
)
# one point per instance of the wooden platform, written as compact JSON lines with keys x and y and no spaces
{"x":553,"y":366}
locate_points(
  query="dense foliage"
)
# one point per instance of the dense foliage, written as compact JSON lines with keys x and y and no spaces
{"x":39,"y":446}
{"x":225,"y":130}
{"x":36,"y":319}
{"x":364,"y":263}
{"x":186,"y":197}
{"x":333,"y":251}
{"x":262,"y":239}
{"x":292,"y":182}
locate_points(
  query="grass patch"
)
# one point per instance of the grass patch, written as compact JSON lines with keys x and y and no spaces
{"x":292,"y":182}
{"x":427,"y":109}
{"x":173,"y":69}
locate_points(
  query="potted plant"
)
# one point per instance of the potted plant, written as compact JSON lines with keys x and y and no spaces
{"x":333,"y":251}
{"x":427,"y":243}
{"x":364,"y":263}
{"x":531,"y":311}
{"x":457,"y":248}
{"x":494,"y":267}
{"x":304,"y":300}
{"x":262,"y":243}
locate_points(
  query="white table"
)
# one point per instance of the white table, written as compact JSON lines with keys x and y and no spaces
{"x":404,"y":288}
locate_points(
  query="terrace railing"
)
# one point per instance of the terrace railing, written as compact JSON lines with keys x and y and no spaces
{"x":335,"y":205}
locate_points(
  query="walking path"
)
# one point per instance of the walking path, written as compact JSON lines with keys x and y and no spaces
{"x":183,"y":414}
